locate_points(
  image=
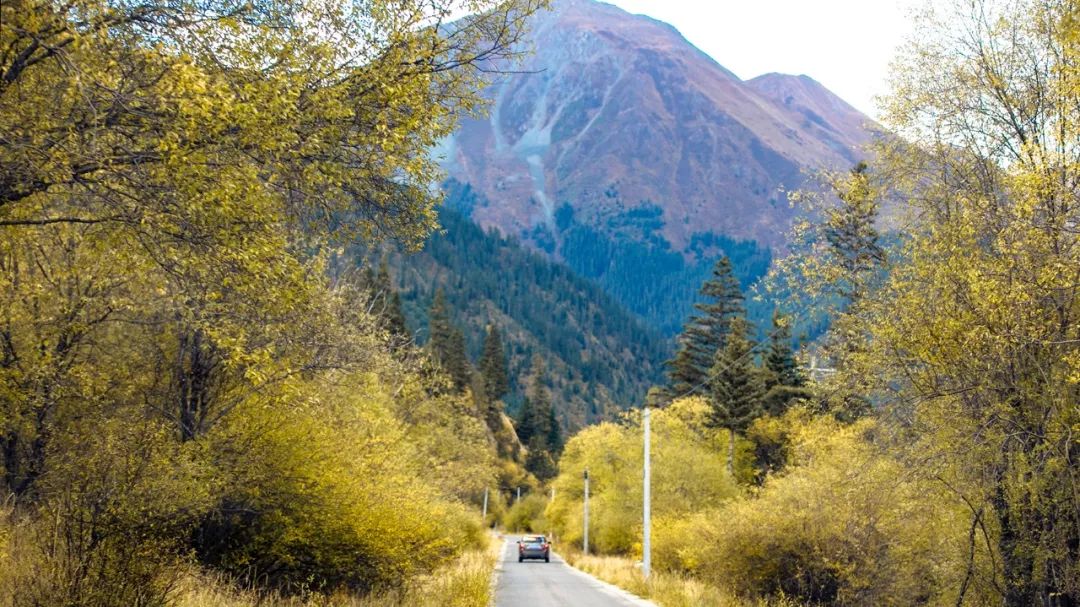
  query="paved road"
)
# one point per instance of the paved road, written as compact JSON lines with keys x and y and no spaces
{"x":554,"y":584}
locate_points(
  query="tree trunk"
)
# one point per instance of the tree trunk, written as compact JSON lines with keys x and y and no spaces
{"x":731,"y":452}
{"x":196,"y":366}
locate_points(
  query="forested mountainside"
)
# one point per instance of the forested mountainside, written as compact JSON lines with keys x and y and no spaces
{"x":632,"y":262}
{"x":600,"y":357}
{"x":624,"y":151}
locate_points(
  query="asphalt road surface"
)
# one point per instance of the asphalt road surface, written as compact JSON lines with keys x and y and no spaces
{"x":535,"y":583}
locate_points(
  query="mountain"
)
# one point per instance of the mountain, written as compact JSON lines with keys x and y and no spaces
{"x":618,"y":140}
{"x":616,"y":111}
{"x":600,"y":357}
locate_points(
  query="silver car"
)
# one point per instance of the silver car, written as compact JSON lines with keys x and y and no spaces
{"x":534,"y":547}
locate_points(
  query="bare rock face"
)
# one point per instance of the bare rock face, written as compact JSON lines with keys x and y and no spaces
{"x":615,"y":113}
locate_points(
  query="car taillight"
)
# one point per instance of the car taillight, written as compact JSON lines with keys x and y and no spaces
{"x":546,"y":546}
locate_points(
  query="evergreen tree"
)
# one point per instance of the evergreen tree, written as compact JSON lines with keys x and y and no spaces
{"x":540,"y":460}
{"x":783,"y":382}
{"x":526,"y":422}
{"x":391,"y":302}
{"x":446,"y":343}
{"x":439,"y":328}
{"x":706,"y":332}
{"x":736,"y":386}
{"x":493,"y":365}
{"x":456,"y":360}
{"x":850,"y":229}
{"x":543,"y":411}
{"x":554,"y":437}
{"x":539,"y":428}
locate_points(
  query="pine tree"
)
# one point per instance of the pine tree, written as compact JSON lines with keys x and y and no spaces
{"x":446,"y":343}
{"x":783,"y":382}
{"x":539,"y":427}
{"x":736,"y":386}
{"x":526,"y":422}
{"x":554,"y":437}
{"x":540,"y":460}
{"x":706,"y":332}
{"x":542,"y":408}
{"x":391,"y":302}
{"x":780,"y":357}
{"x":439,"y":328}
{"x":493,"y":365}
{"x":456,"y":360}
{"x":850,"y":230}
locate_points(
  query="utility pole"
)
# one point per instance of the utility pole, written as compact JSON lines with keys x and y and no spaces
{"x":485,"y":506}
{"x":518,"y":495}
{"x":646,"y":544}
{"x":585,"y":541}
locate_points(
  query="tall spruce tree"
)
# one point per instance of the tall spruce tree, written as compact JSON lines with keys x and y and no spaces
{"x":390,"y":302}
{"x":539,"y":428}
{"x":554,"y":436}
{"x":493,"y":365}
{"x":439,"y":329}
{"x":783,"y":382}
{"x":526,"y":422}
{"x":736,"y":386}
{"x":446,"y":343}
{"x":540,"y":460}
{"x":540,"y":398}
{"x":850,"y":229}
{"x":456,"y":360}
{"x":706,"y":332}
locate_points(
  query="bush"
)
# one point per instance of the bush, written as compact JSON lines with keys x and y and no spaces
{"x":108,"y":529}
{"x":845,"y":527}
{"x":527,"y":514}
{"x":688,"y":467}
{"x":333,"y":497}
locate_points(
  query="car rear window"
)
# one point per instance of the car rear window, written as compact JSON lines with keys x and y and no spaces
{"x":533,"y":539}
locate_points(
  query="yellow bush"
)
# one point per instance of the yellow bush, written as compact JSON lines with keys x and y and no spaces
{"x":846,"y":526}
{"x":337,"y":493}
{"x":689,"y":474}
{"x":527,"y":514}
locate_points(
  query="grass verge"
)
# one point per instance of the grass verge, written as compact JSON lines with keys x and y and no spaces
{"x":664,"y":589}
{"x":466,"y":582}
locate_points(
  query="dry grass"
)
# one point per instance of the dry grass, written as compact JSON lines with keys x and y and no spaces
{"x":464,"y":583}
{"x":664,"y":589}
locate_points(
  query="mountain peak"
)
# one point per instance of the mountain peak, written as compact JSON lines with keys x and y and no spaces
{"x":616,"y":112}
{"x":820,"y":106}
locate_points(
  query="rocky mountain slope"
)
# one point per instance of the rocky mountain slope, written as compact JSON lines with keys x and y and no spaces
{"x":616,"y":111}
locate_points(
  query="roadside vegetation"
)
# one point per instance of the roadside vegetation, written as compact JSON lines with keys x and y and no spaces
{"x":464,"y":582}
{"x":663,"y":587}
{"x":935,"y":461}
{"x":208,"y":396}
{"x":202,"y":398}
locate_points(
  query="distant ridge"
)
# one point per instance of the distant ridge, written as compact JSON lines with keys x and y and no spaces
{"x":616,"y":111}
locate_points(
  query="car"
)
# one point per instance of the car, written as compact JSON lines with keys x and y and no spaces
{"x":534,"y":547}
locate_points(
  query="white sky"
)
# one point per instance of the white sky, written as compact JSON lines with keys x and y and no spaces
{"x":844,"y":44}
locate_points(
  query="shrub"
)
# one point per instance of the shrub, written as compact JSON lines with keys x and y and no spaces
{"x":847,"y":527}
{"x":527,"y":514}
{"x":688,"y":467}
{"x":334,"y":496}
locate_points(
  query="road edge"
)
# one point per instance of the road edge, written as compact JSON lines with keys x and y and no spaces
{"x":610,"y":588}
{"x":497,"y":569}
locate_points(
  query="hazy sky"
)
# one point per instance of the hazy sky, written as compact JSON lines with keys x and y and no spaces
{"x":844,"y":44}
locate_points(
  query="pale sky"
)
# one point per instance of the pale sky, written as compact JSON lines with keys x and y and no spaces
{"x":844,"y":44}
